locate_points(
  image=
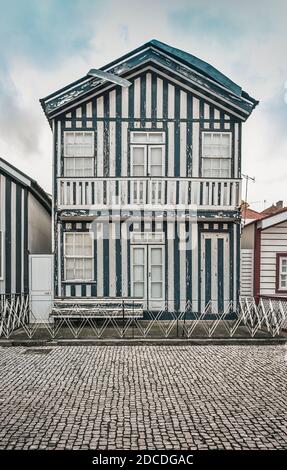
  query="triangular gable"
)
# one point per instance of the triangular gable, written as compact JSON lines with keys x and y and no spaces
{"x":202,"y":77}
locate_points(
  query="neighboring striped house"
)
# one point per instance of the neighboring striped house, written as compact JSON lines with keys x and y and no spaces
{"x":126,"y":156}
{"x":264,"y":257}
{"x":25,"y":227}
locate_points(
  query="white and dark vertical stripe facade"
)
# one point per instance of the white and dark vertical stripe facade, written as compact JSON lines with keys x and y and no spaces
{"x":16,"y":191}
{"x":163,"y":96}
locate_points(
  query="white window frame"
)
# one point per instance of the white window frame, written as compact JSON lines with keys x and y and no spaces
{"x":147,"y":144}
{"x":1,"y":255}
{"x":90,"y":155}
{"x":66,"y":234}
{"x":280,"y":274}
{"x":216,"y":157}
{"x":148,"y":134}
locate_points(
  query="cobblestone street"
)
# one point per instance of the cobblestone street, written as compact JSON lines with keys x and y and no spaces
{"x":143,"y":397}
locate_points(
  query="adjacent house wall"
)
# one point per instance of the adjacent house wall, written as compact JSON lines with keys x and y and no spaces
{"x":39,"y":227}
{"x":247,"y":237}
{"x":273,"y":240}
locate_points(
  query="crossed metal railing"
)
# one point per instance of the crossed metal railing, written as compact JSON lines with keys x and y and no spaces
{"x":246,"y":318}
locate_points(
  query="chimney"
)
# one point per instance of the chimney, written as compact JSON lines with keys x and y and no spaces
{"x":279,"y":204}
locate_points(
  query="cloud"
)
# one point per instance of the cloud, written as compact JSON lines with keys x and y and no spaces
{"x":51,"y":43}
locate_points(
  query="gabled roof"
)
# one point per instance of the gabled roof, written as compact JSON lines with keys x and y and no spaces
{"x":32,"y":186}
{"x":271,"y":219}
{"x":251,"y":214}
{"x":201,"y":75}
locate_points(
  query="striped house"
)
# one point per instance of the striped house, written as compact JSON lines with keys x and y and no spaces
{"x":147,"y":180}
{"x":25,"y":227}
{"x":264,"y":257}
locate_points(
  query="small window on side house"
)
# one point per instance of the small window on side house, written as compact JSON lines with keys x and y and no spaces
{"x":281,"y":272}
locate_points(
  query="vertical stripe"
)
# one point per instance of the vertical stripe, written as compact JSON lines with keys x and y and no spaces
{"x":143,"y":100}
{"x":60,"y":255}
{"x":227,"y":269}
{"x":189,"y":137}
{"x":148,"y":95}
{"x":220,"y":293}
{"x":124,"y":260}
{"x":183,"y":133}
{"x":25,"y":256}
{"x":8,"y":236}
{"x":154,"y":99}
{"x":176,"y":171}
{"x":100,"y":148}
{"x":214,"y":273}
{"x":170,"y":152}
{"x":236,"y":144}
{"x":207,"y":270}
{"x":59,"y":149}
{"x":112,"y":259}
{"x":125,"y":101}
{"x":182,"y":265}
{"x":112,"y":149}
{"x":118,"y":130}
{"x":159,"y":99}
{"x":13,"y":238}
{"x":19,"y":224}
{"x":195,"y":139}
{"x":118,"y":252}
{"x":177,"y":291}
{"x":100,"y":261}
{"x":137,"y":98}
{"x":106,"y":260}
{"x":170,"y":249}
{"x":124,"y":149}
{"x":106,"y":136}
{"x":2,"y":228}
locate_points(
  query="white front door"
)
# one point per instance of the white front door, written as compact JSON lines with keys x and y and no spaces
{"x":40,"y":275}
{"x":147,"y":275}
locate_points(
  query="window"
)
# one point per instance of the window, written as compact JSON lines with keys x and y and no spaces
{"x":216,"y":154}
{"x":78,"y":153}
{"x":147,"y":153}
{"x":1,"y":254}
{"x":78,"y":252}
{"x":281,"y":272}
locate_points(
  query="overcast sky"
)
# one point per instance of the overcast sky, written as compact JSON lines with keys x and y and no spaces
{"x":46,"y":44}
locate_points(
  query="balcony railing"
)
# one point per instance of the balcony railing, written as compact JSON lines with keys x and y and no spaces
{"x":89,"y":193}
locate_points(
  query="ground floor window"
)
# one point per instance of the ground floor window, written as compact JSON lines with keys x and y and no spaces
{"x":78,"y":255}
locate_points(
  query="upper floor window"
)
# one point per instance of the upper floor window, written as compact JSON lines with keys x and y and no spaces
{"x":78,"y":253}
{"x":216,"y":154}
{"x":78,"y":153}
{"x":147,"y":153}
{"x":281,"y":271}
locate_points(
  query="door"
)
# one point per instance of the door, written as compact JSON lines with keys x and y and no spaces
{"x":215,"y":272}
{"x":40,"y":278}
{"x":155,"y":277}
{"x":147,"y":275}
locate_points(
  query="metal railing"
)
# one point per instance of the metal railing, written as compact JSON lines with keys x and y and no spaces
{"x":245,"y":319}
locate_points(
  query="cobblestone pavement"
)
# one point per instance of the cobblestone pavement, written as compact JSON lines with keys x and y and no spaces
{"x":143,"y":397}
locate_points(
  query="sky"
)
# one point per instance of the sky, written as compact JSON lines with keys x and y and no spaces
{"x":46,"y":44}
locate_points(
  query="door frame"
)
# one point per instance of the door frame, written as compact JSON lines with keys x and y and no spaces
{"x":148,"y":303}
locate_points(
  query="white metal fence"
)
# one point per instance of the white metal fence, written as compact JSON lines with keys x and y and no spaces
{"x":248,"y":319}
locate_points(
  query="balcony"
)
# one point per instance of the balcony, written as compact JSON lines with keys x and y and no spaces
{"x":149,"y":193}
